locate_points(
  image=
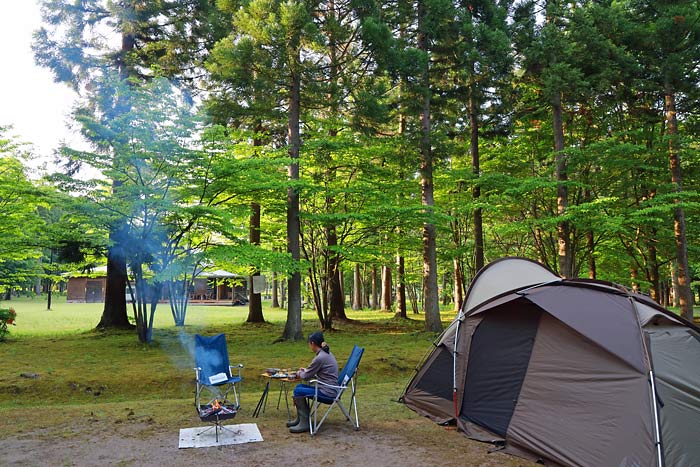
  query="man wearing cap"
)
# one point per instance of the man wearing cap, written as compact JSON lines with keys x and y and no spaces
{"x":324,"y":368}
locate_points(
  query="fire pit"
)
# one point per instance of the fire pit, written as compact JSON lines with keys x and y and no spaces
{"x":217,"y":411}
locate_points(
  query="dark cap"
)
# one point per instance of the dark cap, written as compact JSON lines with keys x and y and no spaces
{"x":317,"y":338}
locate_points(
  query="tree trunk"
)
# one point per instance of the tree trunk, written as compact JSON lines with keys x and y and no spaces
{"x":275,"y":291}
{"x":366,"y":288}
{"x":356,"y":288}
{"x":292,"y":328}
{"x":476,"y":190}
{"x":114,"y":311}
{"x":413,"y":297}
{"x":386,"y":288}
{"x":374,"y":300}
{"x":48,"y":294}
{"x":336,"y":299}
{"x":445,"y":296}
{"x":685,"y":294}
{"x":283,"y":293}
{"x":664,"y":293}
{"x":653,"y":268}
{"x":590,"y":241}
{"x":635,"y":282}
{"x":458,"y":295}
{"x":400,"y":287}
{"x":675,"y":302}
{"x":564,"y":248}
{"x":431,"y":304}
{"x":49,"y":283}
{"x":592,"y":272}
{"x":38,"y":283}
{"x":255,"y":312}
{"x":333,"y":274}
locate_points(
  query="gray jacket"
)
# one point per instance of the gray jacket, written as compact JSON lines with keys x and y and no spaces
{"x":324,"y":368}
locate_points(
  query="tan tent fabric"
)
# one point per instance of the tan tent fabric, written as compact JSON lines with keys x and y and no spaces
{"x":427,"y":404}
{"x":448,"y":336}
{"x":463,"y":348}
{"x":425,"y":401}
{"x":607,"y":319}
{"x":581,"y":406}
{"x":649,"y":315}
{"x":478,"y":433}
{"x":676,"y":355}
{"x":504,"y":275}
{"x":494,"y":303}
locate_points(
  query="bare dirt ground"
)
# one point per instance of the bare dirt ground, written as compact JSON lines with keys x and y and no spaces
{"x":144,"y":443}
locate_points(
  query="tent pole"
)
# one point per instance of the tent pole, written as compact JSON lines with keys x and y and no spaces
{"x":656,"y":418}
{"x":652,"y":380}
{"x":454,"y":366}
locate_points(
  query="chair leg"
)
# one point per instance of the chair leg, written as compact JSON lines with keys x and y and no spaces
{"x":325,"y":415}
{"x":357,"y":419}
{"x":353,"y":404}
{"x":344,"y":410}
{"x":313,"y":418}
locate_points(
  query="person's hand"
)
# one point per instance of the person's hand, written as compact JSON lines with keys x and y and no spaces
{"x":302,"y":369}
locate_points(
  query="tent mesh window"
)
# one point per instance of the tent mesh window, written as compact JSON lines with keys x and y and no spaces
{"x":439,"y":371}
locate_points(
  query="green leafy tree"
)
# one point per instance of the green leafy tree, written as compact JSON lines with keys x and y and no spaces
{"x":19,"y":220}
{"x":666,"y":39}
{"x":86,"y":42}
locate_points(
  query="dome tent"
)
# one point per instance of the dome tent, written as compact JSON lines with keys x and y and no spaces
{"x":568,"y":372}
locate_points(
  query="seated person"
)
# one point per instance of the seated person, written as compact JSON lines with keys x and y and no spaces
{"x":324,"y":368}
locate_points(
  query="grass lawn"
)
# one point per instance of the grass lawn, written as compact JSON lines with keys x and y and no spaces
{"x":82,"y":371}
{"x":108,"y":379}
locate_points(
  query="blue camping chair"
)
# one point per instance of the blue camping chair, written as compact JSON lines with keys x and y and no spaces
{"x":347,"y":378}
{"x":215,"y":377}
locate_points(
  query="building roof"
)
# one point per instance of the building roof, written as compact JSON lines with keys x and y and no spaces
{"x":218,"y":274}
{"x":101,"y":271}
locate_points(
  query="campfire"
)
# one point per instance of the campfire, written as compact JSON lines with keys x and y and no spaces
{"x":217,"y":410}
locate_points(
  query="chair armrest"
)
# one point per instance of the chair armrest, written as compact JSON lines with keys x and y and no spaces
{"x":238,"y":367}
{"x":315,"y":381}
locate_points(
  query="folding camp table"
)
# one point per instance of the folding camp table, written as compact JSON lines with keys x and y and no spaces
{"x":262,"y":403}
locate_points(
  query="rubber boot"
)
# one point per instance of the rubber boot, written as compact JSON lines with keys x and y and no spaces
{"x":294,"y":422}
{"x":303,"y":413}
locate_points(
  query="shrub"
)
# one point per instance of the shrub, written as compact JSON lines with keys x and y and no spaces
{"x":7,"y":317}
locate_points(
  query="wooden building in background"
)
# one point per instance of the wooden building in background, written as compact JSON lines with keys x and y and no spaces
{"x":209,"y":288}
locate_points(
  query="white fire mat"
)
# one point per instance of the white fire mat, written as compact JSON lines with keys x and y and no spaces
{"x":205,"y":436}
